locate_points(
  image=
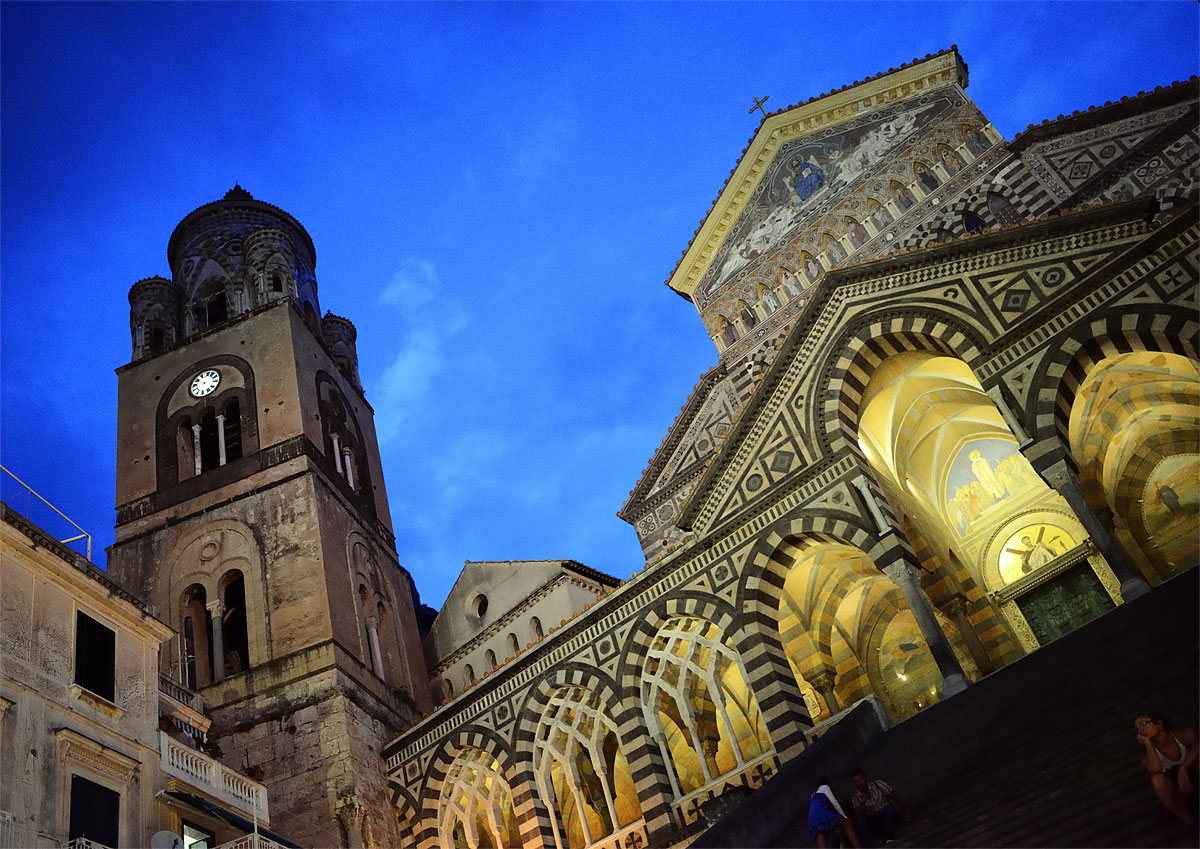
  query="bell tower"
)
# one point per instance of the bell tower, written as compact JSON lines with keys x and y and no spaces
{"x":251,"y":511}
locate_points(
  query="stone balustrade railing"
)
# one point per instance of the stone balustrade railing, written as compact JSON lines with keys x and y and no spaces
{"x":214,"y":778}
{"x":180,"y":693}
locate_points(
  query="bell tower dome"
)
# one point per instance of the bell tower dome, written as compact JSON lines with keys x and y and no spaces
{"x":236,"y":254}
{"x":251,"y":510}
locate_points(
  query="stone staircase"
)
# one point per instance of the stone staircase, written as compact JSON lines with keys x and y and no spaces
{"x":1041,"y":753}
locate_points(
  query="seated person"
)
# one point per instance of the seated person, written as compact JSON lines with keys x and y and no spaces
{"x":1170,"y":757}
{"x":825,"y":814}
{"x":877,"y":807}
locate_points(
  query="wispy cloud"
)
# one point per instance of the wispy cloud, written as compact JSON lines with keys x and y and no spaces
{"x":426,"y":321}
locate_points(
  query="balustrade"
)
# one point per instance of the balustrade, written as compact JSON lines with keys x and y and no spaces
{"x":214,"y":778}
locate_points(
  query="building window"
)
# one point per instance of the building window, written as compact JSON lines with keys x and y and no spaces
{"x":468,"y":676}
{"x":535,"y":626}
{"x":490,"y":657}
{"x":480,"y":605}
{"x":95,"y":658}
{"x":195,"y":837}
{"x":95,"y":812}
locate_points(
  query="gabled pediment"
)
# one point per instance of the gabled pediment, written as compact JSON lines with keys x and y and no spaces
{"x":802,"y":157}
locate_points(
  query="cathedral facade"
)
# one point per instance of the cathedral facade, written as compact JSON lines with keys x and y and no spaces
{"x":955,"y":416}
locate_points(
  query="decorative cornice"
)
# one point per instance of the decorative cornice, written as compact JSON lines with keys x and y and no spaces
{"x":87,"y":752}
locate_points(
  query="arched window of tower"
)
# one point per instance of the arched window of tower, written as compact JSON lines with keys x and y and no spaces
{"x":197,"y":637}
{"x":185,"y":452}
{"x":211,"y":306}
{"x":535,"y":626}
{"x":310,"y":319}
{"x":210,"y":441}
{"x":387,"y":643}
{"x":233,"y":431}
{"x":276,"y":282}
{"x":155,"y":337}
{"x":233,"y":624}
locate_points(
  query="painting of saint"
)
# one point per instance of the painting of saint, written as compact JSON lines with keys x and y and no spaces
{"x":984,"y":474}
{"x":903,"y":197}
{"x":749,"y":318}
{"x":881,"y":215}
{"x":858,"y":233}
{"x":790,"y":284}
{"x":976,"y":143}
{"x":983,"y":471}
{"x":812,"y":268}
{"x":770,"y":300}
{"x":1168,"y":497}
{"x":809,"y":178}
{"x":1032,"y":548}
{"x":727,"y":333}
{"x":951,"y":160}
{"x":835,"y":251}
{"x":927,"y":178}
{"x":1171,"y":508}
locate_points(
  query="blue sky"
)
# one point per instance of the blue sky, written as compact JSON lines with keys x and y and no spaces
{"x":496,"y":193}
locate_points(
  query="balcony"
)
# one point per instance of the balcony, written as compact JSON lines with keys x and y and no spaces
{"x":172,"y":688}
{"x":252,"y":841}
{"x":213,"y":779}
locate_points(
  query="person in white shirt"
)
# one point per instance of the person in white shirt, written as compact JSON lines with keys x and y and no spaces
{"x":877,"y":807}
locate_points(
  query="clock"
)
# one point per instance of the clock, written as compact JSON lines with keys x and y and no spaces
{"x":205,"y":382}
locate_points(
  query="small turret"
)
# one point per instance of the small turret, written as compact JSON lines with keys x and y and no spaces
{"x":154,"y":316}
{"x":341,"y":336}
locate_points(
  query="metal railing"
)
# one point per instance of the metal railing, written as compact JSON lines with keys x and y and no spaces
{"x":83,"y":535}
{"x":213,"y":777}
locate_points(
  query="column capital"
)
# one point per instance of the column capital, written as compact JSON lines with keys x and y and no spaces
{"x":955,"y":606}
{"x":822,"y":680}
{"x":901,"y":571}
{"x":351,"y":810}
{"x":372,"y":621}
{"x":216,"y":607}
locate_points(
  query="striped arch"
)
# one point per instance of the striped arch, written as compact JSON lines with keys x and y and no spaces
{"x":686,"y":603}
{"x":977,"y":202}
{"x":1056,"y":382}
{"x":407,"y":811}
{"x":1128,"y":496}
{"x":759,"y":596}
{"x":768,"y":676}
{"x":530,"y":815}
{"x":871,"y":630}
{"x":861,"y":349}
{"x":649,"y":773}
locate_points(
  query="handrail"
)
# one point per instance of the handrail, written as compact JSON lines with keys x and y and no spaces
{"x":82,"y":533}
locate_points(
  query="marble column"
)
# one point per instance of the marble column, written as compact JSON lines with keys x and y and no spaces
{"x":216,"y":609}
{"x":196,"y":460}
{"x":1063,"y":478}
{"x":221,"y":440}
{"x":351,"y":811}
{"x":956,"y":608}
{"x":904,"y":575}
{"x":823,"y":682}
{"x":373,"y":638}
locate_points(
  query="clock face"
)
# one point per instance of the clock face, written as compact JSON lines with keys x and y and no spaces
{"x":205,"y":382}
